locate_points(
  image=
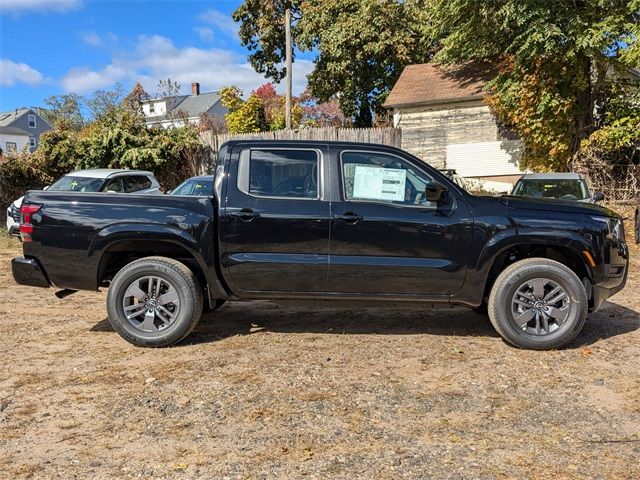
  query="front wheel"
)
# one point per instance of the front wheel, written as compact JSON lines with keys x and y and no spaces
{"x":154,"y":302}
{"x":538,"y":304}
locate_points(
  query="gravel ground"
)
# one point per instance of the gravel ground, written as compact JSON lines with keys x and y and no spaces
{"x":266,"y":391}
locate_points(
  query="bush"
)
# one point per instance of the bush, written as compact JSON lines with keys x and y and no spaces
{"x":19,"y":173}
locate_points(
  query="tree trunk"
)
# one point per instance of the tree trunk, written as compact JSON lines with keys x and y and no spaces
{"x":584,"y":107}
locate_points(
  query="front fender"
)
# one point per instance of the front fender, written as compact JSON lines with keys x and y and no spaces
{"x":472,"y":293}
{"x":506,"y":239}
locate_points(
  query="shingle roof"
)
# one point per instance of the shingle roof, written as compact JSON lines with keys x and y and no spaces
{"x":194,"y":105}
{"x":430,"y":83}
{"x":7,"y":118}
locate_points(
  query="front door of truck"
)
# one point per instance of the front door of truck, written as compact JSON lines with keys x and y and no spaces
{"x":276,"y":220}
{"x":386,"y":237}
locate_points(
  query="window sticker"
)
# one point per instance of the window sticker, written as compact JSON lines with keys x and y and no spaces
{"x":375,"y":183}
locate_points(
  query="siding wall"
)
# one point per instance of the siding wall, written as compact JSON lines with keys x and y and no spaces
{"x":23,"y":123}
{"x":426,"y":132}
{"x":21,"y":141}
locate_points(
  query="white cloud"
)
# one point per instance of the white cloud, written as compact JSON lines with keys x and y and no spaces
{"x":205,"y":33}
{"x":12,"y":73}
{"x":38,"y":5}
{"x":156,"y":57}
{"x":221,"y":21}
{"x":92,"y":39}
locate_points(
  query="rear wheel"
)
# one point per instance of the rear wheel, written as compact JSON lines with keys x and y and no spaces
{"x":538,"y":304}
{"x":154,"y":302}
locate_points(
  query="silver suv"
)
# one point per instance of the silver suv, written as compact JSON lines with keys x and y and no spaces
{"x":108,"y":180}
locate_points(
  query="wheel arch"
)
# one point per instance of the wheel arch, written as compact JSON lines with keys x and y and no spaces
{"x":118,"y":245}
{"x":567,"y":248}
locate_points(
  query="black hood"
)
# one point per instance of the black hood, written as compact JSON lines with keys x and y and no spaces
{"x":554,"y":205}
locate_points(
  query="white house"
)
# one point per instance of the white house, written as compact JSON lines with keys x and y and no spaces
{"x":445,"y":122}
{"x":173,"y":111}
{"x":21,"y":127}
{"x":13,"y":139}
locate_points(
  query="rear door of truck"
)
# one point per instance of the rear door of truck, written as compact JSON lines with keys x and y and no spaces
{"x":276,"y":219}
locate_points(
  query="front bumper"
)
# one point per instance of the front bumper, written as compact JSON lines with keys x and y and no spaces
{"x":615,"y":275}
{"x":27,"y":271}
{"x":13,"y":225}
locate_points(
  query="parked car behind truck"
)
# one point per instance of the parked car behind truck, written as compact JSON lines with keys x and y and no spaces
{"x":322,"y":220}
{"x":564,"y":186}
{"x":108,"y":180}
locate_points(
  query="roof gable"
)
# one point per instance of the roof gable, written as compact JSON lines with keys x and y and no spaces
{"x":430,"y":83}
{"x":195,"y":105}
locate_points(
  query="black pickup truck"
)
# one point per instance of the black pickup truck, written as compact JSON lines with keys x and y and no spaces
{"x":322,"y":220}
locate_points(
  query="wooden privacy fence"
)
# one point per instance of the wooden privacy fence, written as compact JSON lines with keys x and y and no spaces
{"x":384,"y":136}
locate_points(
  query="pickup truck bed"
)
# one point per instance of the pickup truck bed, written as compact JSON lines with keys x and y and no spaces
{"x":319,"y":220}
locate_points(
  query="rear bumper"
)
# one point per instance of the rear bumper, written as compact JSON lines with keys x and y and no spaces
{"x":27,"y":271}
{"x":615,"y":276}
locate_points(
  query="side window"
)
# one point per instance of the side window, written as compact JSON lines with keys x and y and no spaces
{"x":279,"y":173}
{"x":114,"y":185}
{"x":136,"y":183}
{"x":379,"y":177}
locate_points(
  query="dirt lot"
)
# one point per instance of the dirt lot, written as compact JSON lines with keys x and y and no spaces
{"x":265,"y":391}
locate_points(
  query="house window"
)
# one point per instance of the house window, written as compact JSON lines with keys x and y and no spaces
{"x":152,"y":108}
{"x":32,"y":121}
{"x":12,"y":147}
{"x":32,"y":142}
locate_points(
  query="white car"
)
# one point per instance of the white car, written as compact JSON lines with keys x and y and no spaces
{"x":107,"y":180}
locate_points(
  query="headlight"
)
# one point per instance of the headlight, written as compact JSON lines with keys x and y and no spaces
{"x":615,"y":227}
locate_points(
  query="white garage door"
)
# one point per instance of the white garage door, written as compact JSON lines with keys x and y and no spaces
{"x":484,"y":159}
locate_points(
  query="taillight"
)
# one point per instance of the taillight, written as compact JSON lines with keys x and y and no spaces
{"x":26,"y":228}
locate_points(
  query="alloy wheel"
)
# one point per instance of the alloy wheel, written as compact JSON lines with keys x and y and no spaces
{"x":151,"y":304}
{"x":540,"y":306}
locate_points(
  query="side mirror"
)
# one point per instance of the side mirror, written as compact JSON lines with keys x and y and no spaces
{"x":435,"y":191}
{"x":598,"y":197}
{"x":111,"y":191}
{"x":44,"y":188}
{"x":168,"y":192}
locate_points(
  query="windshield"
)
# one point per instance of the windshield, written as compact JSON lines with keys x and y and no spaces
{"x":77,"y":184}
{"x":195,"y":186}
{"x":565,"y":189}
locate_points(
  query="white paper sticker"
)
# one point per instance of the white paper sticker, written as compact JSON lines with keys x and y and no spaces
{"x":375,"y":183}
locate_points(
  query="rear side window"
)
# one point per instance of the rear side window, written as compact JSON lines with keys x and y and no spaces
{"x":279,"y":173}
{"x":114,"y":185}
{"x":136,"y":183}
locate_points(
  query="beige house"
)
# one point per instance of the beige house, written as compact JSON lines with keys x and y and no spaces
{"x":445,"y":122}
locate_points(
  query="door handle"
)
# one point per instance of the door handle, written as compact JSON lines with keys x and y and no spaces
{"x":246,"y":214}
{"x":349,"y":217}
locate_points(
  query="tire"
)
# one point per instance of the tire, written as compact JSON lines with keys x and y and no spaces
{"x":637,"y":227}
{"x":528,"y":289}
{"x":217,"y":304}
{"x":163,"y":300}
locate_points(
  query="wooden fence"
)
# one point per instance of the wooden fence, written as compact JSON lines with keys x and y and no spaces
{"x":384,"y":136}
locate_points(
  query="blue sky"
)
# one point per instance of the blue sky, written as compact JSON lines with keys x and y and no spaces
{"x":59,"y":46}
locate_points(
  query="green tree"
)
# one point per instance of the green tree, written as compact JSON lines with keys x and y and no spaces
{"x":554,"y":62}
{"x":361,"y":46}
{"x":244,"y":116}
{"x":105,"y":101}
{"x":64,"y":108}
